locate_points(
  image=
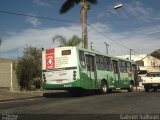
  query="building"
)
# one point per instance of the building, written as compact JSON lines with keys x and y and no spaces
{"x":8,"y":79}
{"x":145,"y":62}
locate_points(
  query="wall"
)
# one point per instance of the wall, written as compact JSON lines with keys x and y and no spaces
{"x":5,"y":75}
{"x":8,"y":78}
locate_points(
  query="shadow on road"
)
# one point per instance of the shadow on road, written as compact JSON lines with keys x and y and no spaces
{"x":57,"y":95}
{"x":66,"y":94}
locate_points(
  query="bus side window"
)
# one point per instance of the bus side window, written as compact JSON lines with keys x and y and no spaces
{"x":101,"y":63}
{"x":122,"y":66}
{"x":129,"y":67}
{"x":107,"y":64}
{"x":115,"y":67}
{"x":90,"y":63}
{"x":98,"y":62}
{"x":82,"y":59}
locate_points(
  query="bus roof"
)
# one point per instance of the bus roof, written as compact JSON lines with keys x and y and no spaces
{"x":98,"y":53}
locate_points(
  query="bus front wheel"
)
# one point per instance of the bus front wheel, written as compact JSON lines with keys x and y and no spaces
{"x":104,"y":87}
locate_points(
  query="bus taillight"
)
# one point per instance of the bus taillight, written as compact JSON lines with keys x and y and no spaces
{"x":74,"y":75}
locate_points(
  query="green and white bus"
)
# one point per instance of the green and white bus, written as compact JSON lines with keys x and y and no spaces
{"x":77,"y":69}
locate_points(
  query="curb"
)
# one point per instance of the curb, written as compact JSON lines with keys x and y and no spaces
{"x":16,"y":99}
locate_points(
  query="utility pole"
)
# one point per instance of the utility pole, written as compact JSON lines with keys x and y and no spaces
{"x":92,"y":46}
{"x":106,"y":47}
{"x":130,"y":53}
{"x":84,"y":8}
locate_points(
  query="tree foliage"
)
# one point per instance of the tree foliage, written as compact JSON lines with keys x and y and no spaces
{"x":73,"y":41}
{"x":28,"y":68}
{"x":85,"y":5}
{"x":68,"y":4}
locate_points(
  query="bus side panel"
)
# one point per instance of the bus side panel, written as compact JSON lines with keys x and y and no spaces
{"x":125,"y":79}
{"x":85,"y":81}
{"x":106,"y":75}
{"x":111,"y":79}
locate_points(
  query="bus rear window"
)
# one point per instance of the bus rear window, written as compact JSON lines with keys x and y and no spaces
{"x":66,"y":52}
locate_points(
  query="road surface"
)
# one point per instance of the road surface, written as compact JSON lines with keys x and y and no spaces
{"x":64,"y":103}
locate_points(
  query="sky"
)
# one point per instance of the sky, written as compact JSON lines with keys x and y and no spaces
{"x":135,"y":26}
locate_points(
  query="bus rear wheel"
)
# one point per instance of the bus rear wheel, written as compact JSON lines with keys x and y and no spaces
{"x":130,"y":89}
{"x":104,"y":87}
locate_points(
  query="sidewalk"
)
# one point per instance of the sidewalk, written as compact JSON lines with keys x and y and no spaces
{"x":6,"y":95}
{"x":138,"y":89}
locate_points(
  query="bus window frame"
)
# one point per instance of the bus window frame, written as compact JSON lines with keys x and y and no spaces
{"x":123,"y":66}
{"x":83,"y":65}
{"x":100,"y":62}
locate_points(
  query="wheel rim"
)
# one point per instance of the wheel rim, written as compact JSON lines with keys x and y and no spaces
{"x":104,"y":88}
{"x":131,"y":86}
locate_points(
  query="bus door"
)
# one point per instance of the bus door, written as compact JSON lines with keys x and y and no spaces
{"x":91,"y":71}
{"x":116,"y":73}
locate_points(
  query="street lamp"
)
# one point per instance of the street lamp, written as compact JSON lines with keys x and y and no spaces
{"x":118,"y":6}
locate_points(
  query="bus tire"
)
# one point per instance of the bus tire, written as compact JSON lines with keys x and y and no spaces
{"x":130,"y":89}
{"x":104,"y":87}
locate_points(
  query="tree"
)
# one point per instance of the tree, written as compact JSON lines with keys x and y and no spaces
{"x":85,"y":5}
{"x":28,"y":68}
{"x":73,"y":41}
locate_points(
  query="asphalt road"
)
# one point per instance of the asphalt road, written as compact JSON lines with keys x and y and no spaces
{"x":63,"y":103}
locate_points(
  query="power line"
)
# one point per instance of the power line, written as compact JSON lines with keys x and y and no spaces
{"x":71,"y":21}
{"x":40,"y":17}
{"x":104,"y":34}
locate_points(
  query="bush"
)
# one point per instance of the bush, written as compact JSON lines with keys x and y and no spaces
{"x":28,"y":68}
